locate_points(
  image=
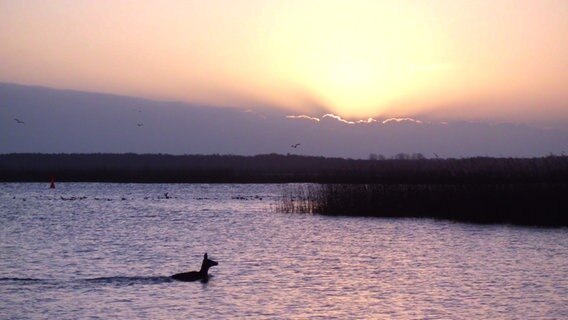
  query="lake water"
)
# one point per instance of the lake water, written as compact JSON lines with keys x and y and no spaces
{"x":89,"y":251}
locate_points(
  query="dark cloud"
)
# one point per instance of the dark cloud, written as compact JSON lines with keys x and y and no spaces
{"x":70,"y":121}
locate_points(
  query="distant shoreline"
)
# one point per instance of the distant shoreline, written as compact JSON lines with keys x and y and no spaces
{"x":528,"y":191}
{"x":277,"y":168}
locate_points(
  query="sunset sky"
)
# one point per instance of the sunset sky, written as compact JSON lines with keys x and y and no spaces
{"x":457,"y":59}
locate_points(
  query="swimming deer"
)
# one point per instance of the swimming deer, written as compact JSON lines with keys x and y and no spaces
{"x":197,"y":275}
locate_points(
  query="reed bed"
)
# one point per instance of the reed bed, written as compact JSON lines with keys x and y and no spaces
{"x":540,"y":204}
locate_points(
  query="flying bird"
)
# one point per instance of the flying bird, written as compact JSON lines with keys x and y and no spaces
{"x":295,"y":145}
{"x":139,"y":124}
{"x":19,"y":121}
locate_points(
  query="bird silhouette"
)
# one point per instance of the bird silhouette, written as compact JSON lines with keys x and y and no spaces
{"x":19,"y":121}
{"x":295,"y":145}
{"x":139,"y":124}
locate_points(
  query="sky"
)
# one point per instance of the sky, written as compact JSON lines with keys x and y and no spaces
{"x":38,"y":119}
{"x":498,"y":61}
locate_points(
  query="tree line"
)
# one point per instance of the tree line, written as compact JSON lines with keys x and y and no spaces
{"x":277,"y":168}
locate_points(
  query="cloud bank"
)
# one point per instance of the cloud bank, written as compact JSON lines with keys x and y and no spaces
{"x":340,"y":119}
{"x":59,"y":121}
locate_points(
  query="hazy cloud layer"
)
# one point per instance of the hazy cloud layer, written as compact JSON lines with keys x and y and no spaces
{"x":58,"y":121}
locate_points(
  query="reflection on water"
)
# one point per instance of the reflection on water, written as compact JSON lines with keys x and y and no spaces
{"x":106,"y":250}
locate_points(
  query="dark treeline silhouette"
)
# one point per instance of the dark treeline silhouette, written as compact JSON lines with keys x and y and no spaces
{"x":275,"y":168}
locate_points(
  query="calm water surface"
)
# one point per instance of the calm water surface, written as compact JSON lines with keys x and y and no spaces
{"x":106,"y":250}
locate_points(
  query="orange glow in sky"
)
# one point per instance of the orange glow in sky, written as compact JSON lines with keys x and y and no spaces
{"x":505,"y":60}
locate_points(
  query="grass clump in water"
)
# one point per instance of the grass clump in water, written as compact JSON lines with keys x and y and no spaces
{"x":542,"y":204}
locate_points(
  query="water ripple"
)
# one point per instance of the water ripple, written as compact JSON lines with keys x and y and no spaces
{"x":88,"y":258}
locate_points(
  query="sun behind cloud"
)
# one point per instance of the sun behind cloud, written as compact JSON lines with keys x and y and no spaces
{"x":359,"y":57}
{"x":465,"y":59}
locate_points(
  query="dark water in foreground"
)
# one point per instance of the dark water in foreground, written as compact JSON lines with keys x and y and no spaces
{"x":106,"y":251}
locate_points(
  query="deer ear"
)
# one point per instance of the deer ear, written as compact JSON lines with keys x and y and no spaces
{"x":205,"y":256}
